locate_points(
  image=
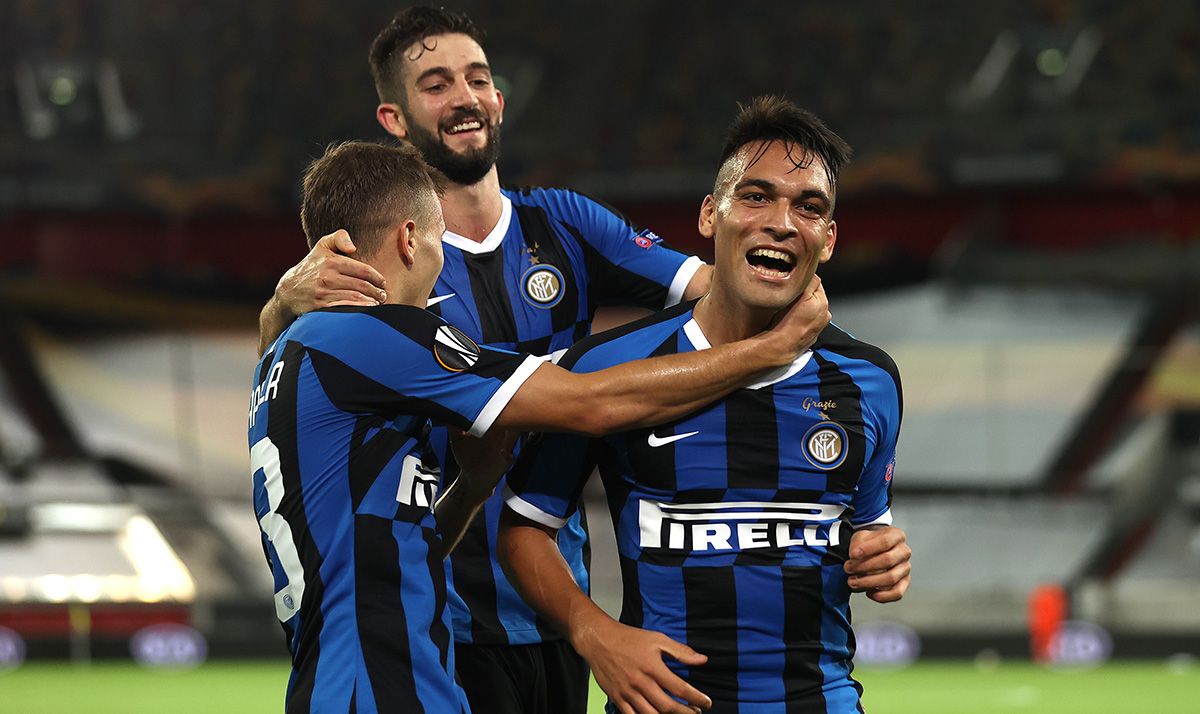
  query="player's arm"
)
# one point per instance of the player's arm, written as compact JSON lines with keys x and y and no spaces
{"x":652,"y":391}
{"x":482,"y":461}
{"x":326,"y":276}
{"x":626,"y":661}
{"x":879,"y":563}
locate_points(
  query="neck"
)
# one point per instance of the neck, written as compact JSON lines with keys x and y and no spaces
{"x":724,"y":319}
{"x":473,"y":211}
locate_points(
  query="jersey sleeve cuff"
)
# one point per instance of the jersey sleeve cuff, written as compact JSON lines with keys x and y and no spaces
{"x":884,"y":519}
{"x":526,"y":509}
{"x":503,"y":395}
{"x":683,"y":276}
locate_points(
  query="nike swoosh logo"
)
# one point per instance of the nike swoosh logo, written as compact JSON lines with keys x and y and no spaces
{"x":656,"y":441}
{"x":435,"y":300}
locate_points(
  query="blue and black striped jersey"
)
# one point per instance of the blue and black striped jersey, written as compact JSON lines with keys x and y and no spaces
{"x":733,"y":523}
{"x":533,"y":285}
{"x":343,"y":490}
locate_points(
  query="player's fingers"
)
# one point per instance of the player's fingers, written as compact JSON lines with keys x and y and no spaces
{"x":891,"y":594}
{"x":664,"y":704}
{"x":339,"y":297}
{"x":681,"y":652}
{"x":882,"y":580}
{"x":865,"y":543}
{"x":351,"y":268}
{"x":676,"y":685}
{"x":347,"y":283}
{"x":336,"y":242}
{"x":879,"y":563}
{"x":638,"y":703}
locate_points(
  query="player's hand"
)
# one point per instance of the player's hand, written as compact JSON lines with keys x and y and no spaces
{"x":797,"y":327}
{"x":628,"y":665}
{"x":485,"y":459}
{"x":327,"y":276}
{"x":879,"y":563}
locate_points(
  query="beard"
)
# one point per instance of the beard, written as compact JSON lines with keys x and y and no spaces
{"x":464,"y":169}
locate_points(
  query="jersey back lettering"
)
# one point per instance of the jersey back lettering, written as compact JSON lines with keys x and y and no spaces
{"x":344,"y":482}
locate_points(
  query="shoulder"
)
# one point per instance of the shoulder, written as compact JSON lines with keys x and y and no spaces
{"x":635,"y":340}
{"x":360,"y":324}
{"x":561,"y":202}
{"x":867,"y":357}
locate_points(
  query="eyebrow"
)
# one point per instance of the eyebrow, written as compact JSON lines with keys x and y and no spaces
{"x":446,"y":72}
{"x":770,"y":187}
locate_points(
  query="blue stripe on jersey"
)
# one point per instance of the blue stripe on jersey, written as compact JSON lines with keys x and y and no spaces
{"x":601,"y":261}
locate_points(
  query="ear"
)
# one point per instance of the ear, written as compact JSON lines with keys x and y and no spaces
{"x":406,"y":243}
{"x":708,"y":211}
{"x":830,"y":241}
{"x":391,"y":119}
{"x":500,"y":111}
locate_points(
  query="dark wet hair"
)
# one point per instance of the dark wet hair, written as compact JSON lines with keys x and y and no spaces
{"x":367,"y":188}
{"x":772,"y":118}
{"x":414,"y":24}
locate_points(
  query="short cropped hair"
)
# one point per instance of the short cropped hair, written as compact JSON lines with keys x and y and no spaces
{"x":414,"y":24}
{"x":367,"y":188}
{"x":772,"y":118}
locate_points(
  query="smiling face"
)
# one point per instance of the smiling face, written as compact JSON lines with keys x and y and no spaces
{"x":771,"y":219}
{"x":451,"y":110}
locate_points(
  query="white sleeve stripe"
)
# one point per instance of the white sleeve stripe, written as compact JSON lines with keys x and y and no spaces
{"x":884,"y":519}
{"x":500,"y":399}
{"x":524,"y":508}
{"x":683,"y":276}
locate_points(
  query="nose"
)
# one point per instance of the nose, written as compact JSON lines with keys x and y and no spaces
{"x":462,"y":97}
{"x":780,"y":223}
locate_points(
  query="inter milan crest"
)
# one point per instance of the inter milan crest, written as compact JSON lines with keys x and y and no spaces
{"x":543,"y":285}
{"x":454,"y":350}
{"x":825,"y":445}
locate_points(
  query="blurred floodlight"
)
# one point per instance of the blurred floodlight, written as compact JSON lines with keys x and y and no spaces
{"x":1051,"y":62}
{"x":63,"y":91}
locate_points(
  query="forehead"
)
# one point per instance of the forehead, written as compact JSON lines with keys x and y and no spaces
{"x":787,"y":165}
{"x":451,"y":51}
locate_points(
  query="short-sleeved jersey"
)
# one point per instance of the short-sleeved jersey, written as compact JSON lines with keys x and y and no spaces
{"x":533,"y":285}
{"x":343,"y":490}
{"x":733,"y":523}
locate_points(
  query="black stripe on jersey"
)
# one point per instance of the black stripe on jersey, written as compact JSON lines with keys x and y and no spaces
{"x":834,"y":385}
{"x":544,"y":244}
{"x":655,"y":465}
{"x":367,"y":458}
{"x":711,"y":622}
{"x":281,"y":428}
{"x":489,"y":287}
{"x":380,"y":616}
{"x":752,"y":439}
{"x":583,"y":346}
{"x":802,"y":606}
{"x":439,"y":633}
{"x":631,"y":595}
{"x":539,"y":347}
{"x":612,"y":284}
{"x":836,"y":340}
{"x":473,"y":577}
{"x":351,"y":391}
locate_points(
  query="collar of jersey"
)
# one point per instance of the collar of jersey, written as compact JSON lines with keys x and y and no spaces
{"x":493,"y":239}
{"x":695,"y":335}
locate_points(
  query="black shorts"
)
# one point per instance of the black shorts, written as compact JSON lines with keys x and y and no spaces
{"x":546,"y":678}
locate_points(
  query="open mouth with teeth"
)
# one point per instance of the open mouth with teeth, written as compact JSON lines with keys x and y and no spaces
{"x":465,"y":126}
{"x":770,"y":262}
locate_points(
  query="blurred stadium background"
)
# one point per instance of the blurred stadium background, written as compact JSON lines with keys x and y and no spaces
{"x":1020,"y":230}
